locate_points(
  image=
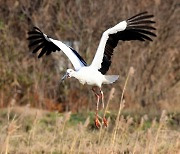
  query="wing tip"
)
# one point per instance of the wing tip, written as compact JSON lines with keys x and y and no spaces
{"x":141,"y":16}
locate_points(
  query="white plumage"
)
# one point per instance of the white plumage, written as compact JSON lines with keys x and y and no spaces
{"x":100,"y":51}
{"x":137,"y":27}
{"x":68,"y":52}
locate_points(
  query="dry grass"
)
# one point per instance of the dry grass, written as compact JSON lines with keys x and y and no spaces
{"x":28,"y":80}
{"x":55,"y":133}
{"x":28,"y":130}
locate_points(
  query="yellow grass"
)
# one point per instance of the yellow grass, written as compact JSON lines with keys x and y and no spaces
{"x":26,"y":130}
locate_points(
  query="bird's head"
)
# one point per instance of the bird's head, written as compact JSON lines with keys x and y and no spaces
{"x":69,"y":74}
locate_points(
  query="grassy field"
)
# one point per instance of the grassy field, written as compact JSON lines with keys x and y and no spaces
{"x":28,"y":130}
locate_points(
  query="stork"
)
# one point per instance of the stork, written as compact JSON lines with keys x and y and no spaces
{"x":139,"y":27}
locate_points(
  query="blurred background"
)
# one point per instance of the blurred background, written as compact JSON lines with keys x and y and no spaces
{"x":26,"y":80}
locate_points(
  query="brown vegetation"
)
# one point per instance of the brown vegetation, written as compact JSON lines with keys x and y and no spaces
{"x":28,"y":130}
{"x":28,"y":80}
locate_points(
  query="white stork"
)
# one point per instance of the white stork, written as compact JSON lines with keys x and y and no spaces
{"x":138,"y":27}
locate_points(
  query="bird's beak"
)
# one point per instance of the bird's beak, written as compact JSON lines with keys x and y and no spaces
{"x":65,"y":76}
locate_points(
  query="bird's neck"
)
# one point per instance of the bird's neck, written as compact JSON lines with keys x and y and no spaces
{"x":78,"y":76}
{"x":75,"y":75}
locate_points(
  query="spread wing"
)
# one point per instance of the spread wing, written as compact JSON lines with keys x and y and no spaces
{"x":138,"y":27}
{"x":39,"y":40}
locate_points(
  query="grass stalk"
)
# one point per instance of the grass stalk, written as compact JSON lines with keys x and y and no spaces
{"x":11,"y":128}
{"x":161,"y":123}
{"x":121,"y":105}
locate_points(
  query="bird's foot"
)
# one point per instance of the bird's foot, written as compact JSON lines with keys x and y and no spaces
{"x":105,"y":122}
{"x":97,"y":123}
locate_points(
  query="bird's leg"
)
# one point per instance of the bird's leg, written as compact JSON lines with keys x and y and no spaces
{"x":104,"y":118}
{"x":97,"y":122}
{"x":102,"y":98}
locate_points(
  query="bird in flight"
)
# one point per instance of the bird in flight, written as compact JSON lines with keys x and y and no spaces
{"x":139,"y":27}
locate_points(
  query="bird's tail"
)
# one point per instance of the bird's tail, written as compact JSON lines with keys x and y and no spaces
{"x":110,"y":78}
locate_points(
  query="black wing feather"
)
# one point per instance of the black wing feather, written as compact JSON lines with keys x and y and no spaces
{"x":37,"y":41}
{"x":139,"y":27}
{"x":33,"y":37}
{"x":141,"y":22}
{"x":137,"y":15}
{"x":142,"y":17}
{"x":80,"y":58}
{"x":38,"y":47}
{"x":43,"y":51}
